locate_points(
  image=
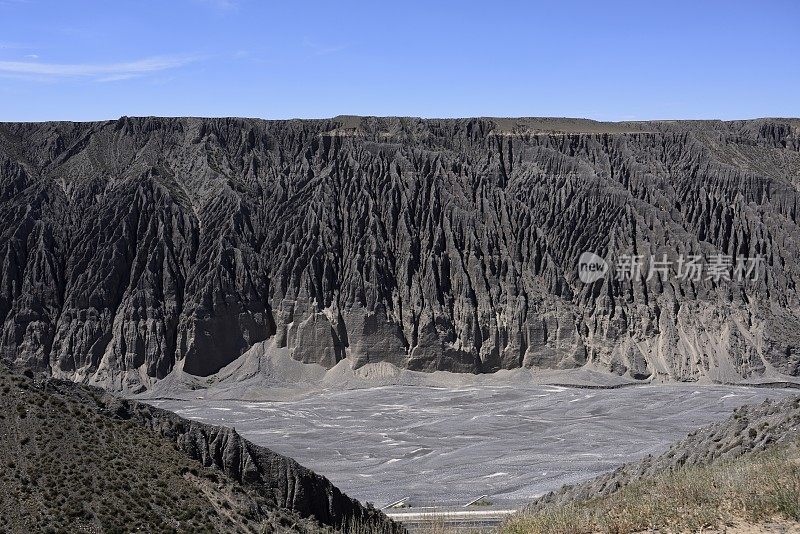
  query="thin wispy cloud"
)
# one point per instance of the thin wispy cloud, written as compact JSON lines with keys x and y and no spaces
{"x":101,"y":72}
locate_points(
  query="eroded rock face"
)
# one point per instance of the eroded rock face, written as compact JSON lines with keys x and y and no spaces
{"x":134,"y":247}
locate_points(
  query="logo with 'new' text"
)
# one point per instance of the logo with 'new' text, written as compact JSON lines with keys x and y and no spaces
{"x":591,"y":267}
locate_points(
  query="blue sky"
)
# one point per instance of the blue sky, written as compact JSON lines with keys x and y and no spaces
{"x":611,"y":60}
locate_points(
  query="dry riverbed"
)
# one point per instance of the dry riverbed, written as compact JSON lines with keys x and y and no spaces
{"x":446,"y":446}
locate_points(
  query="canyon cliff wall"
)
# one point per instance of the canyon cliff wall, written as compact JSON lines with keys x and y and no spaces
{"x":135,"y":247}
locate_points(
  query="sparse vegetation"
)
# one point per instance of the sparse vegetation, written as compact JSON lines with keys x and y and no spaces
{"x":751,"y":489}
{"x":69,"y":468}
{"x":436,"y":524}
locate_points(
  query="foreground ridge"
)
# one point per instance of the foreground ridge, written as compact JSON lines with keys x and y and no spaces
{"x":741,"y":471}
{"x":79,"y":458}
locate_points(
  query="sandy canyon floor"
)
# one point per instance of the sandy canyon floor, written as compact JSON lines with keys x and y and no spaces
{"x":447,"y":446}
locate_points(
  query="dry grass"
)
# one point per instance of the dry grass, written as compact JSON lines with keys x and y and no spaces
{"x":751,"y":489}
{"x":364,"y":526}
{"x":435,"y":524}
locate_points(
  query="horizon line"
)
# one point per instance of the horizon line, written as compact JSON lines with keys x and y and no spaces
{"x":417,"y":117}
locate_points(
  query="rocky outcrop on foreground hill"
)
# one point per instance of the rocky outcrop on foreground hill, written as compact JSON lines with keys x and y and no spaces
{"x":135,"y":248}
{"x":76,"y":458}
{"x":751,"y":430}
